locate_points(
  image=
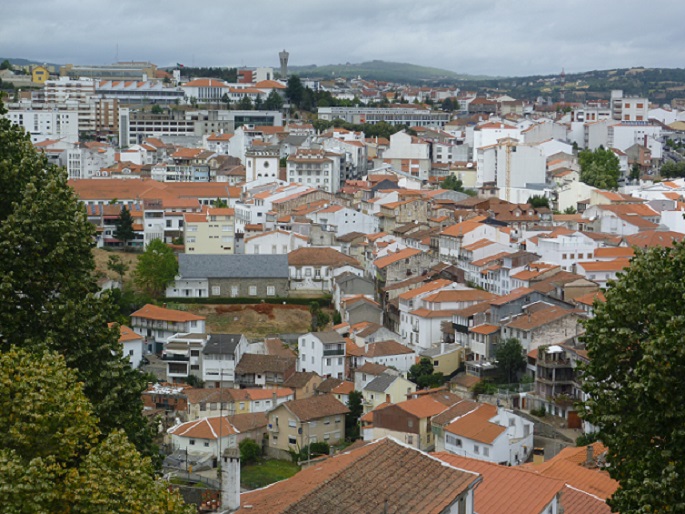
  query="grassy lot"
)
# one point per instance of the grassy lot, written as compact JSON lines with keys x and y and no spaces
{"x":263,"y":473}
{"x":102,"y":256}
{"x":254,"y":320}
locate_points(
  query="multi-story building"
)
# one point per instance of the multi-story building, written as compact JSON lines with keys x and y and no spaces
{"x":315,"y":168}
{"x":210,"y":232}
{"x":47,"y":124}
{"x":323,"y":353}
{"x":220,"y":356}
{"x":408,"y":116}
{"x":157,"y":324}
{"x":135,"y":126}
{"x":117,"y":71}
{"x":85,"y":160}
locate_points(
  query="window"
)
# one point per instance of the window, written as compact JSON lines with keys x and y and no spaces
{"x":292,"y":440}
{"x":270,"y":291}
{"x":410,"y":439}
{"x":292,"y":423}
{"x":206,"y":444}
{"x":253,"y":291}
{"x":192,"y":442}
{"x":486,"y":451}
{"x":308,"y":272}
{"x":234,"y":291}
{"x":476,"y":449}
{"x":216,"y":290}
{"x":337,"y":419}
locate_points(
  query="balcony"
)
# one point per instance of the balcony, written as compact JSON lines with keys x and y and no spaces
{"x":175,"y":357}
{"x":329,"y":353}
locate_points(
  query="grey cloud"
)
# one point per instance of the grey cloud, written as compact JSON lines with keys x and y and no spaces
{"x":493,"y":37}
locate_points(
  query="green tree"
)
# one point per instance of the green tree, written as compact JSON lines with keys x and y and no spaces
{"x":537,"y":201}
{"x":157,"y":267}
{"x":258,"y":103}
{"x":250,"y":451}
{"x":156,"y":109}
{"x":570,"y":210}
{"x":5,"y":65}
{"x":245,"y":104}
{"x":294,"y":90}
{"x":447,"y":105}
{"x":48,"y":285}
{"x":123,"y":227}
{"x":453,"y":183}
{"x":225,"y":100}
{"x":52,"y":456}
{"x":115,"y":264}
{"x":599,"y":168}
{"x":634,"y":381}
{"x":322,"y":125}
{"x":354,"y":403}
{"x":510,"y":360}
{"x":422,"y":374}
{"x":274,"y":102}
{"x":634,"y":172}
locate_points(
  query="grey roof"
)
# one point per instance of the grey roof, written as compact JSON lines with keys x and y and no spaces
{"x":380,"y":383}
{"x":232,"y":266}
{"x":329,"y":336}
{"x":222,"y":344}
{"x":295,"y":140}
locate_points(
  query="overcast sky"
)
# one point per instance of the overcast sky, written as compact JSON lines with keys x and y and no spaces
{"x":490,"y":37}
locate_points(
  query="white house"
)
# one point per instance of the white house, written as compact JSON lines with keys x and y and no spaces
{"x":483,"y":431}
{"x":389,"y":353}
{"x":220,"y":356}
{"x":157,"y":324}
{"x":274,"y":242}
{"x":322,"y":352}
{"x":132,"y":344}
{"x":423,"y":309}
{"x":313,"y":269}
{"x":343,"y":220}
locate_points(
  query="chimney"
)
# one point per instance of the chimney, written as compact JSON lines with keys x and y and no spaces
{"x":590,"y":460}
{"x":230,"y":479}
{"x":275,"y":398}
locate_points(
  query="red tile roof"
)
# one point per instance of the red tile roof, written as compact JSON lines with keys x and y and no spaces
{"x":150,"y":311}
{"x":380,"y":476}
{"x":507,"y":489}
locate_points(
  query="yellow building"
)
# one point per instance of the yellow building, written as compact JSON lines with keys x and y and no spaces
{"x":211,"y":232}
{"x":295,"y":424}
{"x":39,"y":74}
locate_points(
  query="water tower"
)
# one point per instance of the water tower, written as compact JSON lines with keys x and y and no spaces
{"x":283,"y":57}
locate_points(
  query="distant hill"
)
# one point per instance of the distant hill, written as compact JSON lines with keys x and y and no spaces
{"x":381,"y":70}
{"x":658,"y":84}
{"x":26,"y":62}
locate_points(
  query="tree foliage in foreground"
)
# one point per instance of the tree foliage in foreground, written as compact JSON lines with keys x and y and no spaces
{"x":634,"y":381}
{"x":48,"y":285}
{"x":52,"y":458}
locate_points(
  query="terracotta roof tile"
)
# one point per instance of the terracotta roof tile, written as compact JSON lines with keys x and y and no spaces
{"x":320,"y":256}
{"x":356,"y":482}
{"x":315,"y":407}
{"x":476,"y":425}
{"x":150,"y":311}
{"x":506,"y":489}
{"x":392,"y":258}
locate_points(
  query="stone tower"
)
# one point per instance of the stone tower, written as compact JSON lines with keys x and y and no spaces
{"x":283,"y":57}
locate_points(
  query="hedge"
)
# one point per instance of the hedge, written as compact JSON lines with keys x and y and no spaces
{"x":324,"y":301}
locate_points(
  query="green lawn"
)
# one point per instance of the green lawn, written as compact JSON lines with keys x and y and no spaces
{"x":254,"y":476}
